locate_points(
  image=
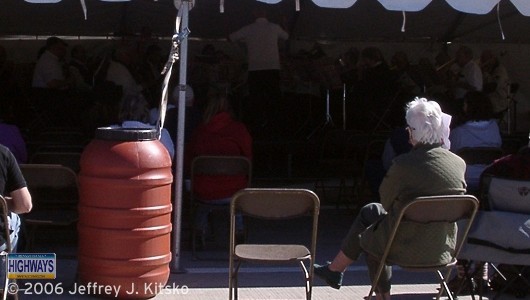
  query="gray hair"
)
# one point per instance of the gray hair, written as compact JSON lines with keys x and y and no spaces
{"x":424,"y":119}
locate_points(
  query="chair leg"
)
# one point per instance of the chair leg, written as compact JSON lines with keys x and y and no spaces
{"x":308,"y":283}
{"x":444,"y":286}
{"x":375,"y":281}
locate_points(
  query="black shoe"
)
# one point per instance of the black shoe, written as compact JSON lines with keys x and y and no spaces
{"x":332,"y":278}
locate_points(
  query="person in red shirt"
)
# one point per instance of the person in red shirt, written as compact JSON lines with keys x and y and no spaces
{"x":218,"y":134}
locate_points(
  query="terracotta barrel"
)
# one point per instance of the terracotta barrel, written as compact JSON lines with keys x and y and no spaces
{"x":125,"y":212}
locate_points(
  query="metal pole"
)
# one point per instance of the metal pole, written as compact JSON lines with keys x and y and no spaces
{"x":344,"y":106}
{"x":179,"y":159}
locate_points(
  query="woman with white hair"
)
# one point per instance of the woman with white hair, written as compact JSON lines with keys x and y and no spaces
{"x":429,"y":169}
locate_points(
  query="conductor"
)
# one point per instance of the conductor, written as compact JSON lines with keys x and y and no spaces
{"x":261,"y":39}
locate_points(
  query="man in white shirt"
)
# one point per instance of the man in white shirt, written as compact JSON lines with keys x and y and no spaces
{"x":119,"y":74}
{"x":496,"y":82}
{"x":48,"y":71}
{"x":469,"y":73}
{"x":261,"y":39}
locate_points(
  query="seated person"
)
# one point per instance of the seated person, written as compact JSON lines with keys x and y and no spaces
{"x":13,"y":188}
{"x":375,"y":169}
{"x":428,"y":169}
{"x":218,"y":134}
{"x":134,"y":113}
{"x":192,"y":115}
{"x":479,"y":130}
{"x":513,"y":166}
{"x":11,"y":137}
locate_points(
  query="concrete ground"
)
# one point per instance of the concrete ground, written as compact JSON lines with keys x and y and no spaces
{"x":208,"y":278}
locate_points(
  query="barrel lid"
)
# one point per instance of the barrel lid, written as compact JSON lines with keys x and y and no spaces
{"x":126,"y":134}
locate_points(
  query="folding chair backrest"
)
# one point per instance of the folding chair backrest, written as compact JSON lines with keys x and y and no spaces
{"x":480,"y":155}
{"x":448,"y":208}
{"x":275,"y":203}
{"x":509,"y":195}
{"x":51,"y":184}
{"x":67,"y":159}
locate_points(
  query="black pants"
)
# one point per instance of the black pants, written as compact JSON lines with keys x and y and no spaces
{"x":264,"y":97}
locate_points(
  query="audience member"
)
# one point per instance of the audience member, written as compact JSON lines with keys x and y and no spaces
{"x":407,"y":76}
{"x":512,"y":166}
{"x":79,"y":69}
{"x":468,"y":74}
{"x":119,"y":71}
{"x":496,"y":82}
{"x":10,"y":135}
{"x":49,"y":70}
{"x":192,"y":115}
{"x":202,"y":74}
{"x":479,"y":130}
{"x":219,"y":134}
{"x":150,"y":69}
{"x":52,"y":86}
{"x":375,"y":169}
{"x":428,"y":169}
{"x":14,"y":189}
{"x":134,"y":113}
{"x":375,"y":89}
{"x":261,"y":39}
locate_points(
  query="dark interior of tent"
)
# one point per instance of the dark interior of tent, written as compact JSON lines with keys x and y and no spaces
{"x":319,"y":60}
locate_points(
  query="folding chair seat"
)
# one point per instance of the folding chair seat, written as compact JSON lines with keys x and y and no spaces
{"x":425,"y":210}
{"x":55,"y":195}
{"x":273,"y":205}
{"x":213,"y":166}
{"x":500,"y":234}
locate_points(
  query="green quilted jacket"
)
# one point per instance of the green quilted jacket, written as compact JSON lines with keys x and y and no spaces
{"x":427,"y":170}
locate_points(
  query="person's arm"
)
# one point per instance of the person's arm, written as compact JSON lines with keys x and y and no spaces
{"x":19,"y":201}
{"x":390,"y":186}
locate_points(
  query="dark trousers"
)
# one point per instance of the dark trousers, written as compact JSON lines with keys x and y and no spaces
{"x":264,"y":96}
{"x":351,"y":245}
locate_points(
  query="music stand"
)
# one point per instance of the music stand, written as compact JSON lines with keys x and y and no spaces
{"x":327,"y":121}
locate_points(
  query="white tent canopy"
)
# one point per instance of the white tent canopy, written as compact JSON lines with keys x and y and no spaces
{"x":351,"y":20}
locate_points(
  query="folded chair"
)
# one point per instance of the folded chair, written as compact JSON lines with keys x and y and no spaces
{"x":55,"y":195}
{"x":424,"y":210}
{"x":501,"y":232}
{"x":3,"y":255}
{"x":273,"y":205}
{"x":214,"y":166}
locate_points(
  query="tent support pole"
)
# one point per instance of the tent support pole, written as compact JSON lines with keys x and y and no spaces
{"x":177,"y":209}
